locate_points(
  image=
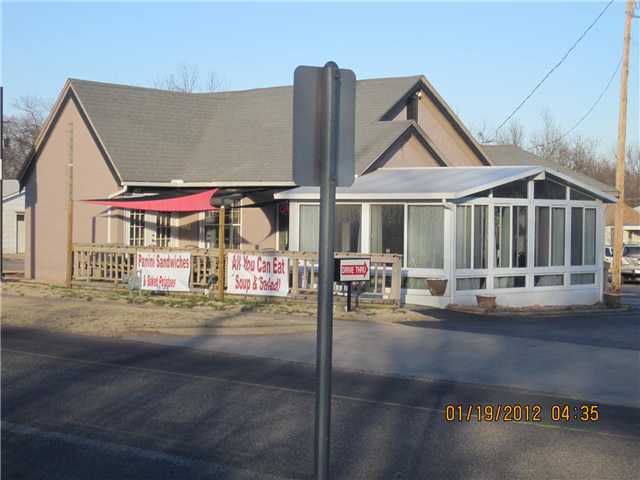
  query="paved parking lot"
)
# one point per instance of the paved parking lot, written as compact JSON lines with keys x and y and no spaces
{"x":592,"y":356}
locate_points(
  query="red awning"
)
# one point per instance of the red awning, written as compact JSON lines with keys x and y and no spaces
{"x":174,"y":201}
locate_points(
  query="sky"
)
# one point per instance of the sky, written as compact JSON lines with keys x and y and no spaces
{"x":483,"y":58}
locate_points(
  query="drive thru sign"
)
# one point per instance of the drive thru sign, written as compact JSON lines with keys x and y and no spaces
{"x":353,"y":269}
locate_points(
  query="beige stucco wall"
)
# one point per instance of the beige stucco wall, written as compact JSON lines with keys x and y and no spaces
{"x":46,"y":194}
{"x":259,"y":227}
{"x":411,"y":154}
{"x":443,"y":135}
{"x":188,"y":231}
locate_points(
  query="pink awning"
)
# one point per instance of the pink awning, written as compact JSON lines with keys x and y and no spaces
{"x":162,"y":202}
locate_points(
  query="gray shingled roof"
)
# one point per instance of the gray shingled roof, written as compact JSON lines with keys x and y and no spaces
{"x":157,"y":136}
{"x":505,"y":155}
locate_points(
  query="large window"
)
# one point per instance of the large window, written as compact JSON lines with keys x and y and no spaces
{"x":231,"y":228}
{"x":550,"y":225}
{"x":425,"y":231}
{"x":510,"y":224}
{"x":387,"y":229}
{"x":583,"y":236}
{"x":163,"y":229}
{"x":136,"y":228}
{"x":471,"y":236}
{"x":348,"y":226}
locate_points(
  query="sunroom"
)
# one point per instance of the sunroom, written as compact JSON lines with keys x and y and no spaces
{"x":526,"y":235}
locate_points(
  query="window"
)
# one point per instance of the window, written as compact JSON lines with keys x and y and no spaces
{"x":231,"y":227}
{"x":425,"y":242}
{"x":136,"y":228}
{"x":549,"y":248}
{"x":549,"y":190}
{"x":347,"y":234}
{"x":509,"y":282}
{"x":502,"y":224}
{"x":583,"y":278}
{"x":580,"y":195}
{"x":418,"y":283}
{"x":517,"y":189}
{"x":163,"y":229}
{"x":510,"y":236}
{"x":387,"y":229}
{"x":348,"y":218}
{"x":548,"y":280}
{"x":583,"y":236}
{"x":471,"y":243}
{"x":283,"y":225}
{"x":479,"y":283}
{"x":309,"y":227}
{"x":519,"y":238}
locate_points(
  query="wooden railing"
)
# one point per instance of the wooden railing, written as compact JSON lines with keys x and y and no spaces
{"x":116,"y":263}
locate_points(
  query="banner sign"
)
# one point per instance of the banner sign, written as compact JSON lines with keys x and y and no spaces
{"x":352,"y":269}
{"x":266,"y":275}
{"x":164,"y":271}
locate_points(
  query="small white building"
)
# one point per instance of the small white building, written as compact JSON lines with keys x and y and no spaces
{"x":13,"y":232}
{"x":527,"y":235}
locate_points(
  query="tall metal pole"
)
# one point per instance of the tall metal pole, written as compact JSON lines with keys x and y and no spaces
{"x":69,"y":270}
{"x":325,"y":270}
{"x":1,"y":182}
{"x":616,"y":273}
{"x":221,"y":211}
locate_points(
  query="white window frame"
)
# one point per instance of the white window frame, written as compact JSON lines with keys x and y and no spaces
{"x":201,"y":229}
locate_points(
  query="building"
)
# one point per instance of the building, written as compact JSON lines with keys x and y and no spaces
{"x":488,"y":220}
{"x":630,"y":222}
{"x":13,"y":231}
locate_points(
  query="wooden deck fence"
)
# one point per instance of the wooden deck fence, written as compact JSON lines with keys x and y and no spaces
{"x":116,"y":263}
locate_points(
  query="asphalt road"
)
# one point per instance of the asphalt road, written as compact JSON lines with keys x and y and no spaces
{"x":77,"y":407}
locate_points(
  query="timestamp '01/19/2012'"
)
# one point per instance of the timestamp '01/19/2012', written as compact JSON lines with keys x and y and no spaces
{"x":521,"y":413}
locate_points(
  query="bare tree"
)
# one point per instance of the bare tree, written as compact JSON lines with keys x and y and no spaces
{"x":21,"y":131}
{"x":513,"y":135}
{"x":187,"y":79}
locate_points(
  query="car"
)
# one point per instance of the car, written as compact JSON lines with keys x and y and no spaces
{"x":608,"y":255}
{"x":631,"y":262}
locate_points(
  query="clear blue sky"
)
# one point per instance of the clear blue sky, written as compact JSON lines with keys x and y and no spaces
{"x":482,"y":57}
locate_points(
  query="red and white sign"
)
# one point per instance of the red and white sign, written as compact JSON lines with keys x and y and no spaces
{"x":353,"y":269}
{"x":266,"y":275}
{"x":164,"y":271}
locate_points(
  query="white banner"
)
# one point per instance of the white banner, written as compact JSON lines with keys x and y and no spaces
{"x":164,"y":271}
{"x":266,"y":275}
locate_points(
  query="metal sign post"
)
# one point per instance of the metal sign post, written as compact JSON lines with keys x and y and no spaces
{"x":323,"y":154}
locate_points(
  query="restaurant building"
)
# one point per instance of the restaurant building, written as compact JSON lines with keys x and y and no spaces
{"x":490,"y":220}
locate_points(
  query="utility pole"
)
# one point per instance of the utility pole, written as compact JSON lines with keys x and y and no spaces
{"x":221,"y":212}
{"x":616,"y":275}
{"x":1,"y":182}
{"x":69,"y":271}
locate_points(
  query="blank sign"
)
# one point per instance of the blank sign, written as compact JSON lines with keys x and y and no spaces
{"x":309,"y":104}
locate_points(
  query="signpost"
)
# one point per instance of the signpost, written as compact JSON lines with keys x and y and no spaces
{"x":323,"y":155}
{"x":351,"y":270}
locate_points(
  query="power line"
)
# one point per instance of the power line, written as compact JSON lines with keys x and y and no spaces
{"x":553,"y":69}
{"x":591,"y":108}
